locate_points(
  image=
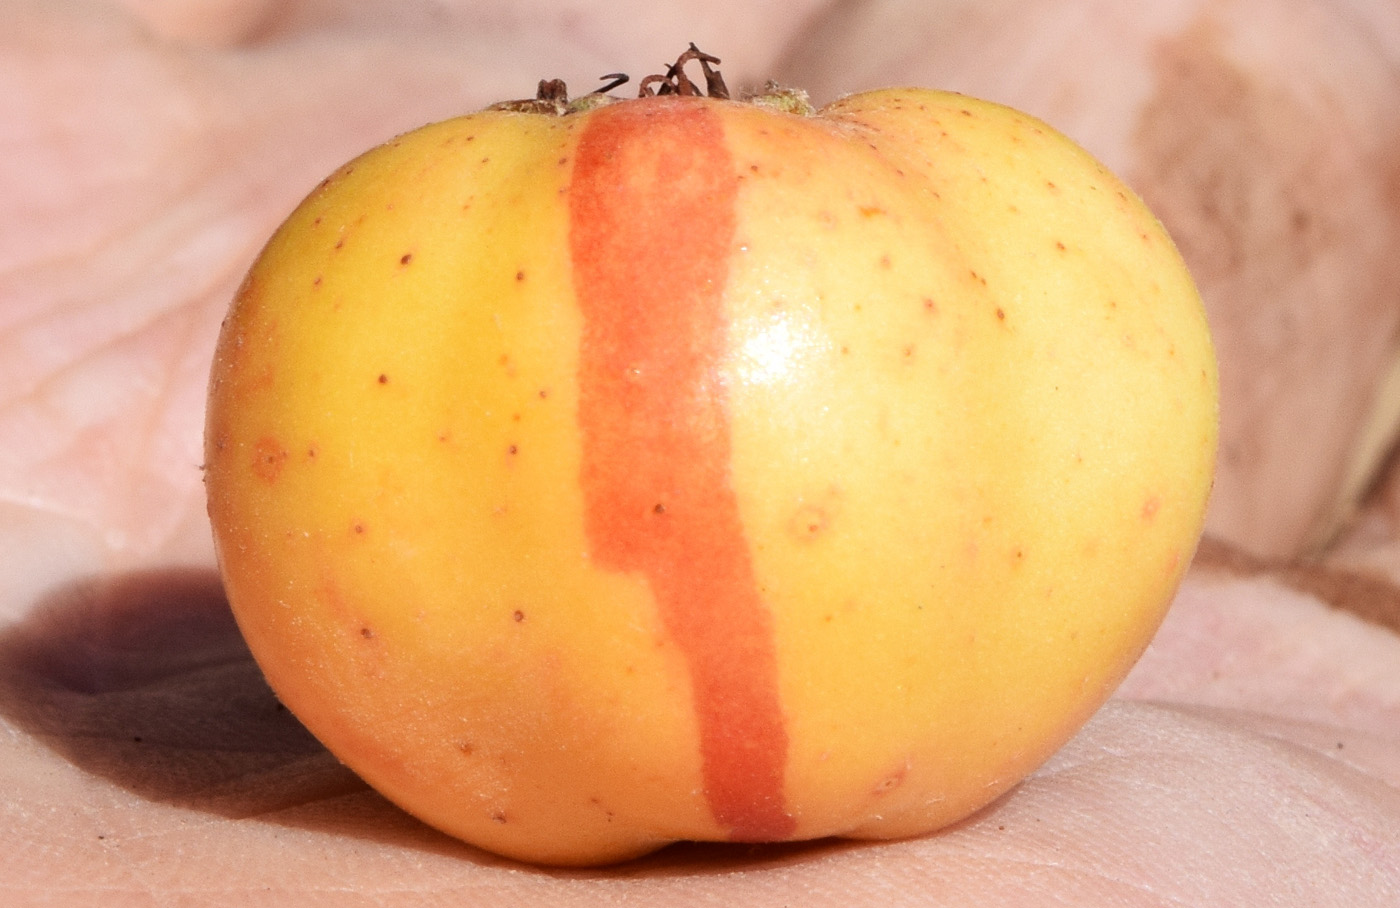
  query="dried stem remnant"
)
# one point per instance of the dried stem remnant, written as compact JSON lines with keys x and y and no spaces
{"x":676,"y":82}
{"x":552,"y":96}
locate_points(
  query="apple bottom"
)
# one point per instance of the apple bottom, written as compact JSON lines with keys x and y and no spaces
{"x":564,"y":732}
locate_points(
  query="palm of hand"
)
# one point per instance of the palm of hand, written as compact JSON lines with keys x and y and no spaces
{"x":144,"y":760}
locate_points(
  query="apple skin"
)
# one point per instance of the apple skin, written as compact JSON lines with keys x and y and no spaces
{"x":685,"y":469}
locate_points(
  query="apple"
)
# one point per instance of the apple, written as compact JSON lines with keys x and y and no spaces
{"x":589,"y":477}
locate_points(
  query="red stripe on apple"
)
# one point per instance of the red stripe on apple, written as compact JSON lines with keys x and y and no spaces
{"x":651,"y":231}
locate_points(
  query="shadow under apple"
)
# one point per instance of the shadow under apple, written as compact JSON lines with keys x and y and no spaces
{"x":144,"y":679}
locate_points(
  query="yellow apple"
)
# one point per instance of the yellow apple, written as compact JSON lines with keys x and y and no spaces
{"x":685,"y":468}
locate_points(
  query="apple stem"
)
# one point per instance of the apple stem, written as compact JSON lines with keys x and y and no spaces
{"x":676,"y":82}
{"x":552,"y":96}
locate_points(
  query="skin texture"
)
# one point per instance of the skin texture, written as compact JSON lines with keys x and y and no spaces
{"x":149,"y":173}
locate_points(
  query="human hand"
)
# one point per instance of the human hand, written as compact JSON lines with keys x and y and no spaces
{"x":142,"y":759}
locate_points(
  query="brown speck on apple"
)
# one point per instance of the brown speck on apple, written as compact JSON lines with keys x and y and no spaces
{"x":892,"y":781}
{"x":808,"y":522}
{"x":268,"y":458}
{"x":599,"y":804}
